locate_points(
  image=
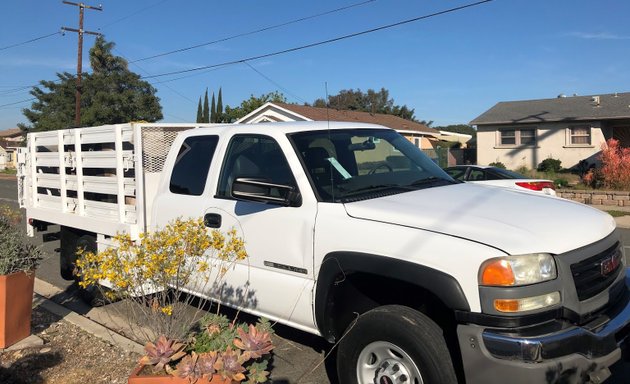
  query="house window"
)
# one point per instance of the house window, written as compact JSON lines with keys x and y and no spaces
{"x":580,"y":135}
{"x":508,"y":137}
{"x":528,"y":136}
{"x":522,"y":136}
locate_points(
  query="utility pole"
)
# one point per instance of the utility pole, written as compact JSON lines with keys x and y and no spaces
{"x":80,"y":31}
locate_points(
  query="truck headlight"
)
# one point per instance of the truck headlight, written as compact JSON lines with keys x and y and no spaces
{"x":512,"y":271}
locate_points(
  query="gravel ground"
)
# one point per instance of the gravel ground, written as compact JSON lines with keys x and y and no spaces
{"x":69,"y":356}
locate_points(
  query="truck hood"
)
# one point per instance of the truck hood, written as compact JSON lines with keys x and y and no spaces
{"x":512,"y":221}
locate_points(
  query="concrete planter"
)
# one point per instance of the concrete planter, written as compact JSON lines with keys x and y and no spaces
{"x":16,"y":304}
{"x":137,"y":377}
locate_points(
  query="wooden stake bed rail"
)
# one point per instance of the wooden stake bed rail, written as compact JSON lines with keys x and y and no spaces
{"x":99,"y":179}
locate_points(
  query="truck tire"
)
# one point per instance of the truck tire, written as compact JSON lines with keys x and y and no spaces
{"x":92,"y":294}
{"x":394,"y":344}
{"x":68,"y":256}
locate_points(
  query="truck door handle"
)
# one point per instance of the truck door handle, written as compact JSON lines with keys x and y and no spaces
{"x":212,"y":220}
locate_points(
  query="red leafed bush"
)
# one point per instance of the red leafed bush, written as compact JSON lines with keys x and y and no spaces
{"x":615,"y":170}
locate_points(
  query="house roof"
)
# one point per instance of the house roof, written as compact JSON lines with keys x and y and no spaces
{"x":391,"y":121}
{"x":13,"y":132}
{"x":572,"y":108}
{"x":323,"y":114}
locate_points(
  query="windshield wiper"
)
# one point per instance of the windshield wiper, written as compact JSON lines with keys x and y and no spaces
{"x":375,"y":188}
{"x":430,"y":181}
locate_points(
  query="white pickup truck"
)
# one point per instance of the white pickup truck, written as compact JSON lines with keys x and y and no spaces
{"x":353,"y":234}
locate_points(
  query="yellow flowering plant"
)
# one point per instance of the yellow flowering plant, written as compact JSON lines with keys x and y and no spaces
{"x":151,"y":276}
{"x":150,"y":279}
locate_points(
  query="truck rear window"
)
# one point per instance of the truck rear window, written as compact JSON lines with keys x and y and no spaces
{"x":190,"y":171}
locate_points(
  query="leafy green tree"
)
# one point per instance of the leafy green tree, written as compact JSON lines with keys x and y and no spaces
{"x":371,"y":101}
{"x":249,"y":105}
{"x":206,"y":108}
{"x":111,"y":94}
{"x":199,"y":112}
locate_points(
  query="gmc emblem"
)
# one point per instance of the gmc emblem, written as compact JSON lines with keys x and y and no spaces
{"x":610,"y":264}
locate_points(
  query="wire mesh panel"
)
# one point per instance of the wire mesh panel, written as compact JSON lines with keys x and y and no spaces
{"x":156,"y":142}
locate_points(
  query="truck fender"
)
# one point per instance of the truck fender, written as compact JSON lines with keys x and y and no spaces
{"x":337,"y":266}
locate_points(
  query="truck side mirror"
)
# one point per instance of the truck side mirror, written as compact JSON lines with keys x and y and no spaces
{"x":262,"y":191}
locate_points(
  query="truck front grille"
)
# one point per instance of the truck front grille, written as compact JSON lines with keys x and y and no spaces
{"x":595,"y":274}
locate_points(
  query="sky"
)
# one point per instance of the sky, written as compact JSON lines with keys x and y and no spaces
{"x":450,"y":67}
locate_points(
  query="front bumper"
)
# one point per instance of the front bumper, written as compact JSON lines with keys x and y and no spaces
{"x":554,"y":352}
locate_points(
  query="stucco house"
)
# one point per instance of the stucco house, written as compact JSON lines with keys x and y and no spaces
{"x":570,"y":129}
{"x":10,"y":139}
{"x":419,"y":134}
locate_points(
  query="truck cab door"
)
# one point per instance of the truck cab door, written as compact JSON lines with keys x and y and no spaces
{"x":278,"y":238}
{"x":276,"y":280}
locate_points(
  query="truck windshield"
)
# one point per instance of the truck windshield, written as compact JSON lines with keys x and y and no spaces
{"x":356,"y":164}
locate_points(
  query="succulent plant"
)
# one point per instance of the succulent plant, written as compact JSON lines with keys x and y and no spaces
{"x":229,"y":365}
{"x":254,"y":343}
{"x":162,"y":352}
{"x":194,"y":366}
{"x":187,"y":368}
{"x":207,"y":362}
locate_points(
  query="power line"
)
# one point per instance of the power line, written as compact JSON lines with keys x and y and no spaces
{"x":15,"y":90}
{"x":199,"y":45}
{"x":191,"y":75}
{"x":18,"y":102}
{"x":274,"y":83}
{"x":132,"y":14}
{"x":333,"y":40}
{"x":168,"y":87}
{"x":30,"y":41}
{"x":254,"y":32}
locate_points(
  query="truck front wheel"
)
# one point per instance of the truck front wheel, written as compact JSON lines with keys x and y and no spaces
{"x":394,"y":344}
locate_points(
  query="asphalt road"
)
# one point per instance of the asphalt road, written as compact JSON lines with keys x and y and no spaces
{"x":299,"y":357}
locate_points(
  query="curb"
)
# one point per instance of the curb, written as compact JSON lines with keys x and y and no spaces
{"x":44,"y":290}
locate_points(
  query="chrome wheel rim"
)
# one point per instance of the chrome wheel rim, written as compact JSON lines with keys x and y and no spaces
{"x":381,"y":362}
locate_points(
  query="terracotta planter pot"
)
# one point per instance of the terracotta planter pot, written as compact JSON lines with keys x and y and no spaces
{"x":16,"y":304}
{"x":137,"y":377}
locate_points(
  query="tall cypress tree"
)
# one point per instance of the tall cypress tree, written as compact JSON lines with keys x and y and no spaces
{"x":219,"y":118}
{"x":199,"y":112}
{"x":206,"y":109}
{"x":213,"y":111}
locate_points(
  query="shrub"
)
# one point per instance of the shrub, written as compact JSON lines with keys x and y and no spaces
{"x":523,"y":170}
{"x":154,"y":273}
{"x":16,"y":254}
{"x":497,"y":164}
{"x":615,"y":170}
{"x":550,"y":165}
{"x":561,"y":182}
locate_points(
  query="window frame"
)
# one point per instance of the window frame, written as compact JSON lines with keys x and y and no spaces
{"x":518,"y":137}
{"x":225,"y":193}
{"x":571,"y":135}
